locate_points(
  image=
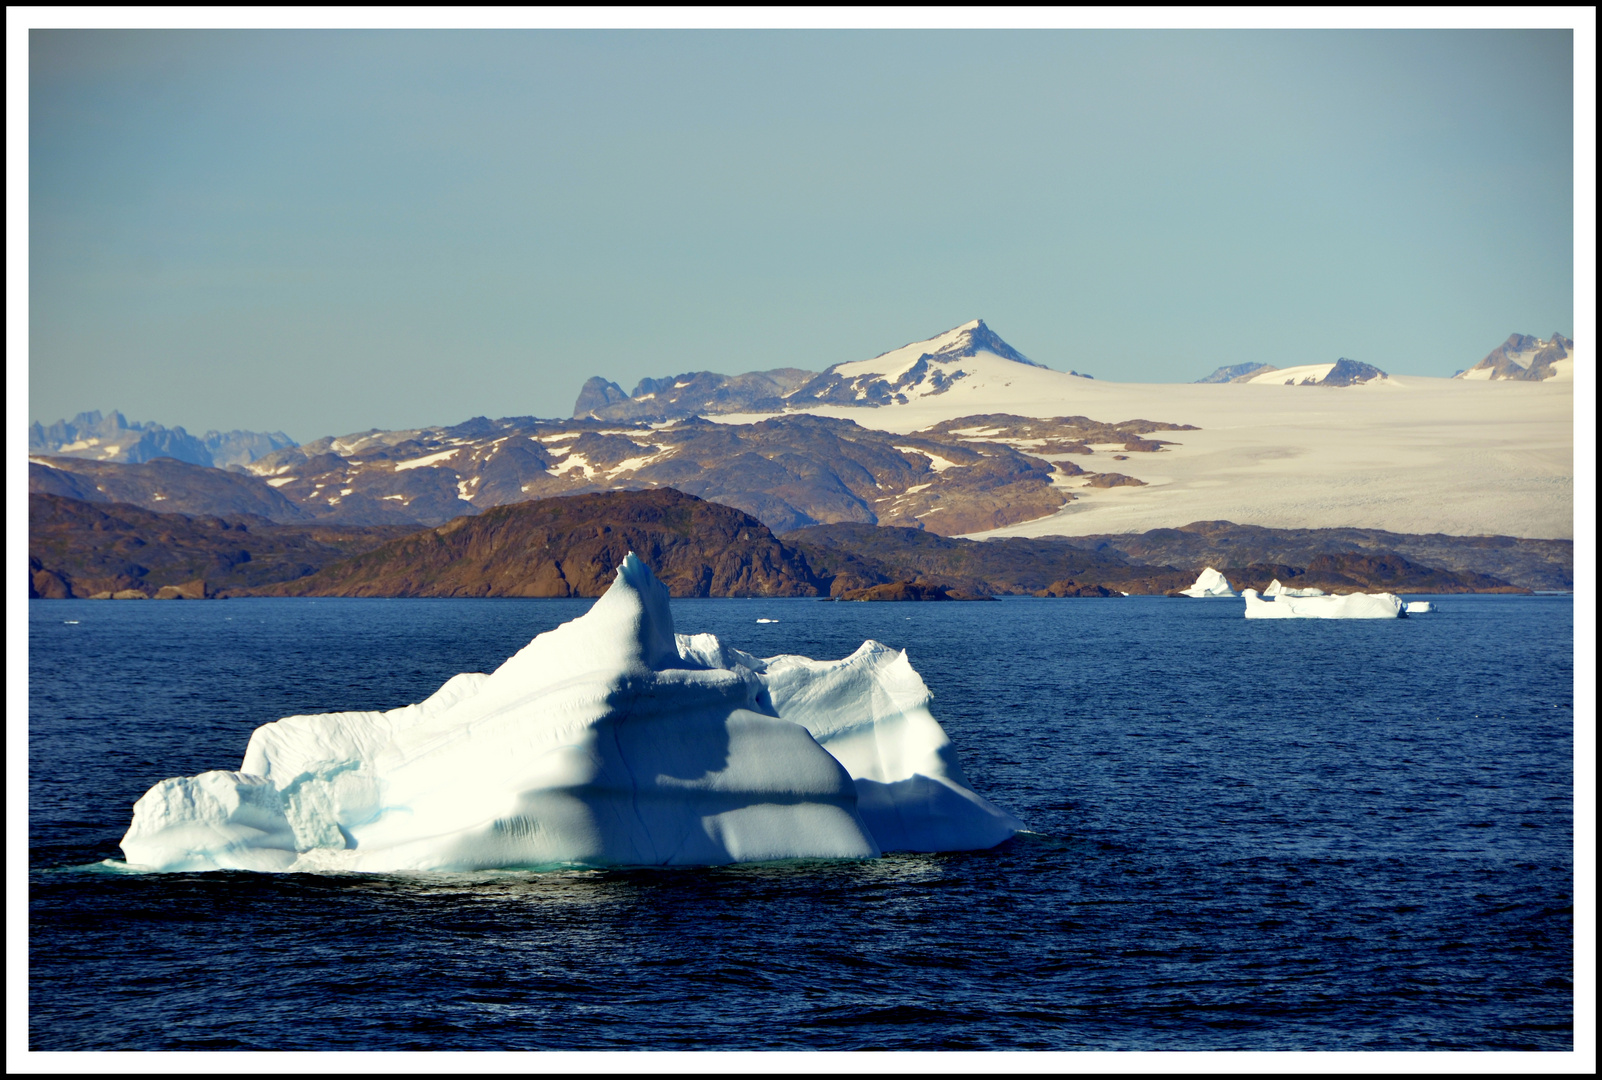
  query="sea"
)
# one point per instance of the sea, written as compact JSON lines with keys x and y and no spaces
{"x":1304,"y":835}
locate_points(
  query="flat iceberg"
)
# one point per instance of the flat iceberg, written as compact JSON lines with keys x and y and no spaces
{"x":609,"y":740}
{"x":1352,"y":606}
{"x":1276,"y":589}
{"x":1210,"y":583}
{"x":1420,"y":607}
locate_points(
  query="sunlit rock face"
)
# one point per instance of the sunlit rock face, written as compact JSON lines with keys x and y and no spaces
{"x":609,"y":740}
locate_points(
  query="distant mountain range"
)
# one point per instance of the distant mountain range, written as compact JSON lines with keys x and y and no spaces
{"x":94,"y":437}
{"x":698,"y":393}
{"x":957,"y":463}
{"x":896,"y":377}
{"x":1523,"y":358}
{"x":968,"y":475}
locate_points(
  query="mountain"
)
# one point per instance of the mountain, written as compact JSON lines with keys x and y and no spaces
{"x":912,"y":371}
{"x":967,"y":475}
{"x":1342,"y":372}
{"x":1523,"y":358}
{"x":787,"y":471}
{"x":697,"y":393}
{"x":915,"y":370}
{"x":164,"y":485}
{"x":79,"y":549}
{"x":1235,"y":372}
{"x":571,"y":547}
{"x":112,"y":438}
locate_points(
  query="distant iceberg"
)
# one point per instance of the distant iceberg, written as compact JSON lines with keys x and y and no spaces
{"x":1210,"y":583}
{"x":1353,"y":606}
{"x":609,"y":740}
{"x":1276,"y":589}
{"x":1420,"y":607}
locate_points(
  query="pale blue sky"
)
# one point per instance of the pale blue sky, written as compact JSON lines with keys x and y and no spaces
{"x":322,"y":232}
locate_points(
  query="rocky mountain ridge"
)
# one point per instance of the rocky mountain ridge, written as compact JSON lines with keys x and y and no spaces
{"x":914,"y":370}
{"x":1522,"y":358}
{"x":1235,"y":372}
{"x":95,"y":437}
{"x":1342,"y":372}
{"x":164,"y":485}
{"x":969,"y":475}
{"x":696,"y":393}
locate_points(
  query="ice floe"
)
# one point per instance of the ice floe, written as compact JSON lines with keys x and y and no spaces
{"x":1210,"y":583}
{"x":609,"y":740}
{"x":1352,"y":606}
{"x":1420,"y":607}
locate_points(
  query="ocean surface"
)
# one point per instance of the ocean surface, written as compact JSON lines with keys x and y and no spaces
{"x":1243,"y":835}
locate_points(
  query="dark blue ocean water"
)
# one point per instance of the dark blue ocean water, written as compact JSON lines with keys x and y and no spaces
{"x":1245,"y":835}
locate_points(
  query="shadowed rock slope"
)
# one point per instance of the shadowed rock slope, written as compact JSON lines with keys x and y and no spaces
{"x":572,"y":547}
{"x":165,"y":486}
{"x":78,"y":549}
{"x":1530,"y":564}
{"x":853,"y":557}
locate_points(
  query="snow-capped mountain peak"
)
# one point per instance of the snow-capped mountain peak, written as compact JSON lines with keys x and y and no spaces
{"x":912,"y":371}
{"x":1525,"y":358}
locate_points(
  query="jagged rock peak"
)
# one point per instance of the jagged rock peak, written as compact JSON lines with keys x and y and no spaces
{"x":1523,"y":358}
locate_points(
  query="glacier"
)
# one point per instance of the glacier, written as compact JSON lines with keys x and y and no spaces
{"x":1350,"y":606}
{"x":610,"y":740}
{"x":1210,"y":583}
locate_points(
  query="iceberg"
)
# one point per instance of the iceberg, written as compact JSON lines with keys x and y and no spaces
{"x":1420,"y":607}
{"x":1351,"y":606}
{"x":1276,"y":589}
{"x":609,"y":740}
{"x":1210,"y":583}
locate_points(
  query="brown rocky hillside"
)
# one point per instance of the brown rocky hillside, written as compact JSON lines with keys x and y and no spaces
{"x":78,"y":548}
{"x":571,"y":547}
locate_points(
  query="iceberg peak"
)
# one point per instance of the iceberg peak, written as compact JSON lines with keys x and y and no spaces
{"x":635,"y":608}
{"x":1210,"y":583}
{"x":628,"y":631}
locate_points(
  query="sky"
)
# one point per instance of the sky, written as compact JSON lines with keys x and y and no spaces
{"x":321,"y":232}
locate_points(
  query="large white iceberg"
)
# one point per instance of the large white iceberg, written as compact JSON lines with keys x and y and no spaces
{"x":1210,"y":583}
{"x":1352,"y":606}
{"x":606,"y":741}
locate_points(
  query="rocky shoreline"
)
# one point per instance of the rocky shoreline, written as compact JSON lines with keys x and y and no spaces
{"x":567,"y":547}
